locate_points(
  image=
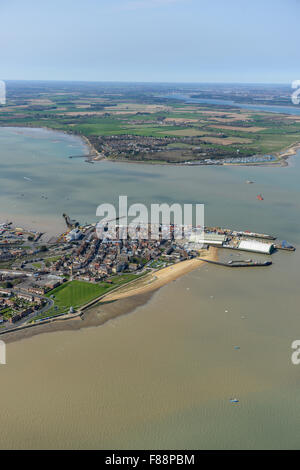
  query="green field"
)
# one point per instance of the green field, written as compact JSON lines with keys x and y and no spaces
{"x":76,"y":293}
{"x":124,"y":279}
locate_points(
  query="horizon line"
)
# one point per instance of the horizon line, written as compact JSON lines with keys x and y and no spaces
{"x":148,"y":82}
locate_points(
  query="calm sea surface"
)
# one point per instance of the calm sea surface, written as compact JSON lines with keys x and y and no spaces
{"x":163,"y":376}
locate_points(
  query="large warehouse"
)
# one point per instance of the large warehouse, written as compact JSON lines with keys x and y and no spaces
{"x":256,"y":246}
{"x":208,"y":238}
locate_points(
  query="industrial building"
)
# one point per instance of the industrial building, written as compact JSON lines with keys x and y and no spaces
{"x":256,"y":246}
{"x":75,"y":234}
{"x":208,"y":238}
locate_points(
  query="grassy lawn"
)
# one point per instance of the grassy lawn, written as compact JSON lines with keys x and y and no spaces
{"x":37,"y":265}
{"x":76,"y":294}
{"x":52,"y":259}
{"x":7,"y":312}
{"x":158,"y":264}
{"x":124,"y":278}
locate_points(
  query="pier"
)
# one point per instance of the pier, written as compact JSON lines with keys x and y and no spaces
{"x":239,"y":263}
{"x":87,"y":158}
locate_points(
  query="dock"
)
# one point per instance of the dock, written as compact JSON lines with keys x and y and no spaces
{"x":239,"y":263}
{"x":278,"y":247}
{"x":87,"y":158}
{"x":240,"y":233}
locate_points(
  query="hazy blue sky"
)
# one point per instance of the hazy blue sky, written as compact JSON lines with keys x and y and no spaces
{"x":150,"y":40}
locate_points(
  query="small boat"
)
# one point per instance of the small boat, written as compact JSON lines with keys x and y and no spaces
{"x":234,"y":400}
{"x":259,"y":197}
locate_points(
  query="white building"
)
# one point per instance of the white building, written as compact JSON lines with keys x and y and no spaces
{"x":75,"y":234}
{"x":208,"y":238}
{"x":256,"y":246}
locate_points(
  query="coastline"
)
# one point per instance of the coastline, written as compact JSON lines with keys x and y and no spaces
{"x":281,"y":160}
{"x":85,"y":140}
{"x":120,"y":302}
{"x":160,"y":278}
{"x":91,"y":147}
{"x":50,"y":227}
{"x":291,"y":151}
{"x":95,"y":156}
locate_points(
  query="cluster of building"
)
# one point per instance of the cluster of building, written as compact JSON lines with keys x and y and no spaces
{"x":43,"y":284}
{"x":243,"y":241}
{"x":12,"y":240}
{"x":88,"y":254}
{"x":16,"y":305}
{"x":95,"y":259}
{"x":130,"y":146}
{"x":222,"y":161}
{"x":135,"y":147}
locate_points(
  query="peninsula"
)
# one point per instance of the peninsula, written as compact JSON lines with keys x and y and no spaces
{"x":154,"y":125}
{"x":64,"y":277}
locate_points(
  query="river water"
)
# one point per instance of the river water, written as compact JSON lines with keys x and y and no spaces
{"x":292,"y":109}
{"x":162,"y":376}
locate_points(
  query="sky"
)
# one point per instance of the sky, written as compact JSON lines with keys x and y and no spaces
{"x":196,"y":41}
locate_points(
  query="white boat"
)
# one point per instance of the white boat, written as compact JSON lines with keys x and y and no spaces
{"x":234,"y":400}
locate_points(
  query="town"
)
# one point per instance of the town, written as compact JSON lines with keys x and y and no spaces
{"x":41,"y":280}
{"x":176,"y":150}
{"x":31,"y":269}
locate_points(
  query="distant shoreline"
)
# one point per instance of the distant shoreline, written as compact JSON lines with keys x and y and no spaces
{"x":95,"y":156}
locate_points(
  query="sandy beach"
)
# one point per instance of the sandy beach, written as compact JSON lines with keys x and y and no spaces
{"x":160,"y":278}
{"x":289,"y":152}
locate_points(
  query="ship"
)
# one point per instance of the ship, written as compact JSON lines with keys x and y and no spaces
{"x":285,"y":246}
{"x":248,"y":234}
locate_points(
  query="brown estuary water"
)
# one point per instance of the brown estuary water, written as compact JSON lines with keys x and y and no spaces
{"x":163,"y":375}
